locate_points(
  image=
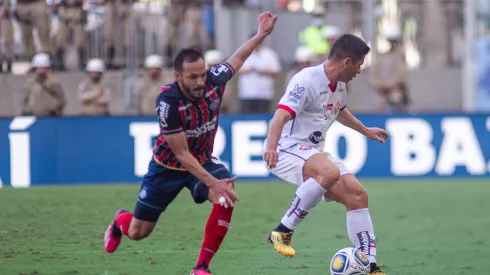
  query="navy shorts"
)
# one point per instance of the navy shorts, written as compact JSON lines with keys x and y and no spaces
{"x":161,"y":185}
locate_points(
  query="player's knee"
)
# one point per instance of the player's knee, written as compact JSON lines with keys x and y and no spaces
{"x":358,"y":199}
{"x":328,"y":177}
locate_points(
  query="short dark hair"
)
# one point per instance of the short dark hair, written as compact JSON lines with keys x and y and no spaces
{"x":191,"y":54}
{"x":348,"y":46}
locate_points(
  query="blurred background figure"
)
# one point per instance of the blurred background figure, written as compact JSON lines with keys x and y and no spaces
{"x":312,"y":36}
{"x":43,"y":93}
{"x":70,"y":16}
{"x":190,"y":14}
{"x":7,"y":37}
{"x":412,"y":21}
{"x":32,"y":14}
{"x":388,"y":75}
{"x":213,"y":57}
{"x":93,"y":91}
{"x":151,"y":82}
{"x":117,"y":14}
{"x":454,"y":17}
{"x":303,"y":58}
{"x":257,"y":79}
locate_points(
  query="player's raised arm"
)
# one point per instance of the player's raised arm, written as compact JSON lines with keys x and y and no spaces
{"x":266,"y":25}
{"x":349,"y":120}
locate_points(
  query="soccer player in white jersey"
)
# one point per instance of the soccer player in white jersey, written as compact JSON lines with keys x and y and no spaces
{"x":314,"y":99}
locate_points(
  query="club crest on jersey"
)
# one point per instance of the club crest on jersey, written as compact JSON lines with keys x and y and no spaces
{"x":214,"y":104}
{"x":327,"y":111}
{"x":337,"y":108}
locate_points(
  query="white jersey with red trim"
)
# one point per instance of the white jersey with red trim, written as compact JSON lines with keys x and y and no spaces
{"x":314,"y":103}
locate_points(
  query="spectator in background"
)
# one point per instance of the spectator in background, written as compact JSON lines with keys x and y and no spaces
{"x":189,"y":13}
{"x":388,"y":75}
{"x":303,"y":58}
{"x":116,"y":16}
{"x":93,"y":91}
{"x":30,"y":14}
{"x":312,"y":36}
{"x":256,"y":81}
{"x":7,"y":36}
{"x":329,"y":35}
{"x":150,"y":85}
{"x":70,"y":14}
{"x":213,"y":57}
{"x":43,"y":93}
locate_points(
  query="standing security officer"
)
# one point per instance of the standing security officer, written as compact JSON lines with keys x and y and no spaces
{"x":93,"y":91}
{"x":7,"y":35}
{"x":188,"y":12}
{"x":30,"y":14}
{"x":117,"y":16}
{"x":70,"y":15}
{"x":150,"y":85}
{"x":43,"y":93}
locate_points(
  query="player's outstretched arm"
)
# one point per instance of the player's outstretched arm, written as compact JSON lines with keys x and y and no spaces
{"x":266,"y":25}
{"x":349,"y":120}
{"x":178,"y":144}
{"x":274,"y":133}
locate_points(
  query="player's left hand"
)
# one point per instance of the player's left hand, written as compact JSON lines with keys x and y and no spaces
{"x":377,"y":134}
{"x":266,"y":23}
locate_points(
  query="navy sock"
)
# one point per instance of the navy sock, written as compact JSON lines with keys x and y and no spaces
{"x":282,"y":228}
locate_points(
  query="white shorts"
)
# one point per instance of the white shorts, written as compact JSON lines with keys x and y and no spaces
{"x":292,"y":156}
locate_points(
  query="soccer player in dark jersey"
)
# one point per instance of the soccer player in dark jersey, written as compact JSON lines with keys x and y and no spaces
{"x":188,"y":112}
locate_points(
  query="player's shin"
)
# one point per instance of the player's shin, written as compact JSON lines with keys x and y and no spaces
{"x":216,"y":229}
{"x":361,"y":232}
{"x":307,"y":196}
{"x":123,"y":221}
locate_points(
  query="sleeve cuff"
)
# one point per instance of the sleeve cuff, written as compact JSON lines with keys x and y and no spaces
{"x":288,"y":109}
{"x":230,"y":67}
{"x":173,"y":131}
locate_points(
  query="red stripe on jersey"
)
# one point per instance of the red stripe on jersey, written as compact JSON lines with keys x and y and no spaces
{"x":332,"y":87}
{"x":202,"y":138}
{"x":288,"y":109}
{"x":164,"y":88}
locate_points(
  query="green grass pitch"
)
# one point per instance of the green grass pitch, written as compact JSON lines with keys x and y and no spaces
{"x":422,"y":227}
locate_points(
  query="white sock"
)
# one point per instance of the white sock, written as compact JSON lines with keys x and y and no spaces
{"x":307,"y":196}
{"x":361,"y":232}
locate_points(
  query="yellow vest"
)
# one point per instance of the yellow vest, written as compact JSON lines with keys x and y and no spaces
{"x":312,"y":37}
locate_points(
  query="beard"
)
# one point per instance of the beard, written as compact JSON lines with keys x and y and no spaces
{"x":194,"y":93}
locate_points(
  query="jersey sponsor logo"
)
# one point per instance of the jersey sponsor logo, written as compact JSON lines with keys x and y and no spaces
{"x":217,"y":70}
{"x":163,"y":113}
{"x":316,"y":137}
{"x":208,"y":126}
{"x":296,"y":93}
{"x":304,"y":147}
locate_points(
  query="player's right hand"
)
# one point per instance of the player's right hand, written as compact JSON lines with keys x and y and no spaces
{"x":223,"y":188}
{"x":266,"y":23}
{"x":270,"y":157}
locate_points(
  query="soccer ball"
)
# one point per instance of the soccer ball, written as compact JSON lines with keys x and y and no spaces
{"x":349,"y":261}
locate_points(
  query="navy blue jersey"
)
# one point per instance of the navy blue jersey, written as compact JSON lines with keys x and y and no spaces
{"x":197,"y":119}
